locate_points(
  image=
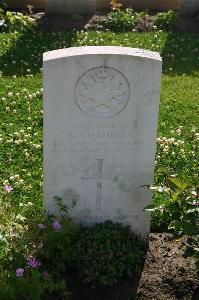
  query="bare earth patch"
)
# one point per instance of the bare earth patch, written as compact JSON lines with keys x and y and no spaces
{"x":168,"y":274}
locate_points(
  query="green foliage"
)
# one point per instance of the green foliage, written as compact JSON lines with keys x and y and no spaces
{"x":166,"y":20}
{"x":106,"y":252}
{"x":32,"y":286}
{"x":19,"y":22}
{"x":3,"y":5}
{"x":57,"y":252}
{"x":121,"y":20}
{"x":3,"y":25}
{"x":43,"y":255}
{"x":15,"y":21}
{"x":193,"y":250}
{"x":179,"y":210}
{"x":2,"y":15}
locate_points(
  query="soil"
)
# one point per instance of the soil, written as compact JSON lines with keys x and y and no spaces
{"x":168,"y":274}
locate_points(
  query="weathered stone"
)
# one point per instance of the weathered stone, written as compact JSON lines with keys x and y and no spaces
{"x":100,"y":122}
{"x":189,"y":8}
{"x":142,"y":4}
{"x":70,"y":7}
{"x":22,"y":4}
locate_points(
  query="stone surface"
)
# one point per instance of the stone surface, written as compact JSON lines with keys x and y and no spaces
{"x":100,"y":122}
{"x":189,"y":8}
{"x":142,"y":4}
{"x":70,"y":7}
{"x":22,"y":4}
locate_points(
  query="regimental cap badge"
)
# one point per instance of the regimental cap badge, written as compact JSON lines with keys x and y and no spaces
{"x":102,"y":92}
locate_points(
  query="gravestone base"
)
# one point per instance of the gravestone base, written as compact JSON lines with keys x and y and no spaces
{"x":70,"y":7}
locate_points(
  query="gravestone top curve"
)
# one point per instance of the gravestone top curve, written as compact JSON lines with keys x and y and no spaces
{"x":109,"y":50}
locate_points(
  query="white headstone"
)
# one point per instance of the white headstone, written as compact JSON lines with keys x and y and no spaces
{"x":100,"y":122}
{"x":70,"y":7}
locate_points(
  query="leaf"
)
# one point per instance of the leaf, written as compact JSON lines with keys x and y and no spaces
{"x":182,"y":226}
{"x":191,"y":210}
{"x":145,"y":185}
{"x":163,"y":171}
{"x":175,"y":196}
{"x":178,"y":183}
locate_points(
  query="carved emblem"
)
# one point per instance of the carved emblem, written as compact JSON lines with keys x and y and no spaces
{"x":102,"y":92}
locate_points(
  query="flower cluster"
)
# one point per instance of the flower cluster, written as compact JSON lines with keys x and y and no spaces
{"x":8,"y":188}
{"x":175,"y":153}
{"x":20,"y":272}
{"x":34,"y":263}
{"x":56,"y":225}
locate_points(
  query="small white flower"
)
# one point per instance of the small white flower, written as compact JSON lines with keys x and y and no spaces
{"x":153,"y":188}
{"x":194,"y":193}
{"x":20,"y":217}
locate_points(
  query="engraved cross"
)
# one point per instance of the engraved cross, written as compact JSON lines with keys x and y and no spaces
{"x":99,"y":179}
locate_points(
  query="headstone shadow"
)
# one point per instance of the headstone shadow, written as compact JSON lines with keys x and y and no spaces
{"x":58,"y":23}
{"x":127,"y":288}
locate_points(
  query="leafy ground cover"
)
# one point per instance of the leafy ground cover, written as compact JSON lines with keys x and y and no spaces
{"x":21,"y":193}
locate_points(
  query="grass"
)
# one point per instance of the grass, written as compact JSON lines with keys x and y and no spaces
{"x":21,"y":114}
